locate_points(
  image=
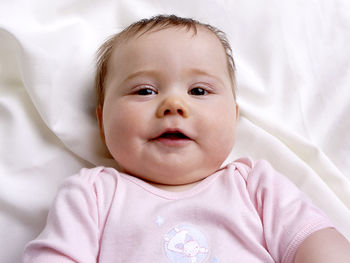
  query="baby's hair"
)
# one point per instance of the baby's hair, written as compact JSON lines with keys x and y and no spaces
{"x":143,"y":26}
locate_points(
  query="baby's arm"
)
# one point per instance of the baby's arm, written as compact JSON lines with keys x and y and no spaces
{"x":324,"y":246}
{"x":295,"y":230}
{"x":71,"y":232}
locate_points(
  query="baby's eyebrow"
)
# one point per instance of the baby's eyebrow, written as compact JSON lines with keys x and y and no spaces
{"x":155,"y":73}
{"x":141,"y":73}
{"x":197,"y":71}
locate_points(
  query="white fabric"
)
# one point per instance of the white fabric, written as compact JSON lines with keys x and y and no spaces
{"x":293,"y":71}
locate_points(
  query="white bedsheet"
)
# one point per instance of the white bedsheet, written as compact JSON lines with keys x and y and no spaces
{"x":293,"y":71}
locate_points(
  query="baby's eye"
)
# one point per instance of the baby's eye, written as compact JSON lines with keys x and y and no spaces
{"x":198,"y":91}
{"x":146,"y":92}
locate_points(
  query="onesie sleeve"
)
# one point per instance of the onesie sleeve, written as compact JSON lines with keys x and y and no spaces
{"x":287,"y":214}
{"x":71,"y":232}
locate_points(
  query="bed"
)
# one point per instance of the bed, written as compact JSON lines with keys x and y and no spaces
{"x":293,"y":75}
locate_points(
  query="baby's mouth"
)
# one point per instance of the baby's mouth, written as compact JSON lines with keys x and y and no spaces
{"x":172,"y":137}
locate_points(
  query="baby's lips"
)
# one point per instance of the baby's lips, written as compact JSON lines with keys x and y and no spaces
{"x":173,"y":133}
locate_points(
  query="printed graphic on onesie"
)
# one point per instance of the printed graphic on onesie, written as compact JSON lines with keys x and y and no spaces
{"x":186,"y":244}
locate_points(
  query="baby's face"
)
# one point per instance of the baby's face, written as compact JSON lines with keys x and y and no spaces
{"x":169,"y":114}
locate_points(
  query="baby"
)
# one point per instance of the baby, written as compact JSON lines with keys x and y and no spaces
{"x":167,"y":113}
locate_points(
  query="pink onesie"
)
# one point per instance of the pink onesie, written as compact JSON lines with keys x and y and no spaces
{"x":244,"y":212}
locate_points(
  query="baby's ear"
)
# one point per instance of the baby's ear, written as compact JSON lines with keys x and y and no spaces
{"x":237,"y":112}
{"x":100,"y":122}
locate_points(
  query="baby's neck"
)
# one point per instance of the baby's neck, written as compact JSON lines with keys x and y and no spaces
{"x":175,"y":188}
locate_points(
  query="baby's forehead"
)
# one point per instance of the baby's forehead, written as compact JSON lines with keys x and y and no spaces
{"x":138,"y":39}
{"x":174,"y":44}
{"x":171,"y":55}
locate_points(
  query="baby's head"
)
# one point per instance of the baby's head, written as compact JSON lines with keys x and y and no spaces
{"x":166,"y":99}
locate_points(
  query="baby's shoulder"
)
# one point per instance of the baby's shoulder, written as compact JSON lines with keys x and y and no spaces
{"x":93,"y":178}
{"x":261,"y":175}
{"x":247,"y":167}
{"x":93,"y":187}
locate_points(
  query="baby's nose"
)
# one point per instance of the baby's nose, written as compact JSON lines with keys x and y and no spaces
{"x":172,"y":106}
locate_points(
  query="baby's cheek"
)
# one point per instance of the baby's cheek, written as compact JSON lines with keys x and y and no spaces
{"x":121,"y":132}
{"x":223,"y":130}
{"x":113,"y":133}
